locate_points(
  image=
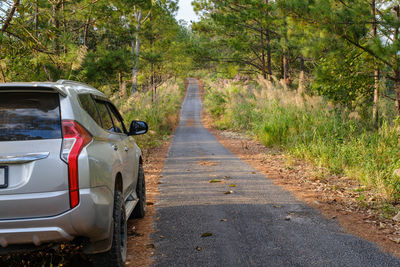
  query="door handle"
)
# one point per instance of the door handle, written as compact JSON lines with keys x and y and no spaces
{"x":126,"y":149}
{"x":115,"y":147}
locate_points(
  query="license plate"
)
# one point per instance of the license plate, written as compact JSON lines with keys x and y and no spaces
{"x":3,"y":177}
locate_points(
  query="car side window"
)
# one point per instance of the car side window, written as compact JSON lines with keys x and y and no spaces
{"x":116,"y":119}
{"x":107,"y":123}
{"x":88,"y":105}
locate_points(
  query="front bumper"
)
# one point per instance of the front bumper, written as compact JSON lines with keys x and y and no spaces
{"x":92,"y":218}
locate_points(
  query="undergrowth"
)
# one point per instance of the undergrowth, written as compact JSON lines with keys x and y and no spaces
{"x":311,"y":128}
{"x":161,"y":114}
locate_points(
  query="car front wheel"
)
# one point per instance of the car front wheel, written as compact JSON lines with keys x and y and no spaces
{"x":140,"y":209}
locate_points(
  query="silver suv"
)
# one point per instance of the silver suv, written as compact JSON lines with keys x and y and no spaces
{"x":69,"y":169}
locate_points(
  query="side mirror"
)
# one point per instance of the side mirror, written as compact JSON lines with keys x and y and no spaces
{"x":138,"y":127}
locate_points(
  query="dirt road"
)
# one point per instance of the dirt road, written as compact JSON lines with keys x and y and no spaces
{"x":216,"y":210}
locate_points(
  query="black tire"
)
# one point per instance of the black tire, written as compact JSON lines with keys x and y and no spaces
{"x":140,"y":209}
{"x":116,"y":256}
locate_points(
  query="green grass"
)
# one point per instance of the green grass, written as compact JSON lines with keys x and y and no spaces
{"x":311,"y":128}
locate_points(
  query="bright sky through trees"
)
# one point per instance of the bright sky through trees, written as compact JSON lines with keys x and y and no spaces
{"x":186,"y":12}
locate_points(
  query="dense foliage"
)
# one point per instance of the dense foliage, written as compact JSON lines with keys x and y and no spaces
{"x":113,"y":45}
{"x":345,"y":50}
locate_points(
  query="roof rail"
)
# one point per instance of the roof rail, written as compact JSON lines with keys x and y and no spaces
{"x":74,"y":82}
{"x":69,"y":81}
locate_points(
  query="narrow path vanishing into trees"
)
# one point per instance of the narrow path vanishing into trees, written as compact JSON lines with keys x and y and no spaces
{"x":216,"y":210}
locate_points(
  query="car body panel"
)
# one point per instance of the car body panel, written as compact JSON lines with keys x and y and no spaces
{"x":91,"y":218}
{"x":129,"y":170}
{"x":36,"y":188}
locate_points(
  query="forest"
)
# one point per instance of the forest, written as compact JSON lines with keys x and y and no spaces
{"x":318,"y":78}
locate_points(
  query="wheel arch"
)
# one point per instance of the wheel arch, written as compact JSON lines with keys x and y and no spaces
{"x":118,"y":186}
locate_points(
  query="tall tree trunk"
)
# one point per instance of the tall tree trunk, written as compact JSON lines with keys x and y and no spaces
{"x":122,"y":87}
{"x":136,"y":47}
{"x":152,"y":82}
{"x":397,"y":91}
{"x":268,"y":45}
{"x":56,"y":24}
{"x":36,"y":23}
{"x":375,"y":111}
{"x":269,"y":65}
{"x":375,"y":108}
{"x":136,"y":51}
{"x":64,"y":22}
{"x":286,"y":75}
{"x":301,"y":75}
{"x":36,"y":18}
{"x":263,"y":62}
{"x":396,"y":63}
{"x":285,"y":63}
{"x":86,"y":32}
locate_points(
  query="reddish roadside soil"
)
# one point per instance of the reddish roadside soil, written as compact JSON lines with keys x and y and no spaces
{"x":140,"y":248}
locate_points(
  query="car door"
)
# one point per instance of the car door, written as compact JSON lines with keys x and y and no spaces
{"x":130,"y":160}
{"x":114,"y":139}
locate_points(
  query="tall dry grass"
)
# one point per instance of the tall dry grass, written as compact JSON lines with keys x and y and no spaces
{"x":311,"y":128}
{"x":161,"y":114}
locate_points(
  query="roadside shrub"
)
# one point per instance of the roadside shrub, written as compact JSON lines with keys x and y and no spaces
{"x":161,"y":114}
{"x":215,"y":102}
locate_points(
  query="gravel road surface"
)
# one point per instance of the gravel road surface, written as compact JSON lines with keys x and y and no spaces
{"x":257,"y":224}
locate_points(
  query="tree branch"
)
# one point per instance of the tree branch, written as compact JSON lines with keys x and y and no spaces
{"x":147,"y":17}
{"x":366,"y":49}
{"x":10,"y":16}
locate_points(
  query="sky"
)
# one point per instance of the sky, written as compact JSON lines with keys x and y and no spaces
{"x":186,"y":12}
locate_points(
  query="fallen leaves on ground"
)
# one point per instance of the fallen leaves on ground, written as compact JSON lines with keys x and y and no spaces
{"x":214,"y":181}
{"x":207,"y":234}
{"x":395,"y":239}
{"x":397,"y":217}
{"x":190,"y":122}
{"x":64,"y":255}
{"x":207,"y":163}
